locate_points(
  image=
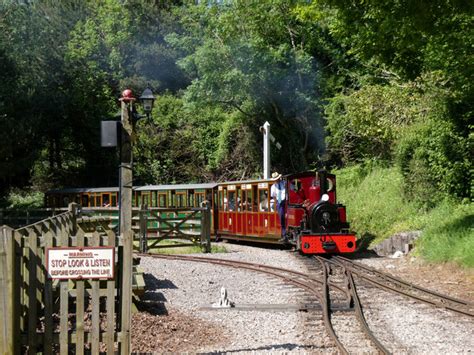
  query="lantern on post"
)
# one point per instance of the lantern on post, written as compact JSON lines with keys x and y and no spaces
{"x":147,"y":99}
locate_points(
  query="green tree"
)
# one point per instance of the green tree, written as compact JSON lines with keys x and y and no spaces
{"x":250,"y":58}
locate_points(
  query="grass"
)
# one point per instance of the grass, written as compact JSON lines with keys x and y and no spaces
{"x":376,"y":209}
{"x":450,"y":236}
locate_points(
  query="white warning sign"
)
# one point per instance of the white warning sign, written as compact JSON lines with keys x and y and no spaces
{"x":80,"y":263}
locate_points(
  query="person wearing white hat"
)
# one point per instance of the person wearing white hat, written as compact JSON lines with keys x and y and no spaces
{"x":278,"y":193}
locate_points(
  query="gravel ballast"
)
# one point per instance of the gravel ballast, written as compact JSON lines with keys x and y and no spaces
{"x":174,"y":317}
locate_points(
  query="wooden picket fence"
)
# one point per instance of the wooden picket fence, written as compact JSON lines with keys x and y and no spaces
{"x":41,"y":315}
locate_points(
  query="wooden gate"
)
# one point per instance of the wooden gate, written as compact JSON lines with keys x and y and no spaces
{"x":65,"y":316}
{"x":191,"y":225}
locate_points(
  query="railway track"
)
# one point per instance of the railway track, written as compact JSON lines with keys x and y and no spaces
{"x":336,"y":320}
{"x":331,"y":282}
{"x":393,"y":284}
{"x":319,"y":288}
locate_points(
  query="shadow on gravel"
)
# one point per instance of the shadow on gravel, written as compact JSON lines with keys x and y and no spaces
{"x":152,"y":306}
{"x":361,"y":249}
{"x":153,"y":301}
{"x":262,"y":245}
{"x":152,"y":283}
{"x":280,"y":348}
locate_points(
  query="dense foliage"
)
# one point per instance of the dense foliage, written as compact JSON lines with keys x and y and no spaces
{"x":340,"y":82}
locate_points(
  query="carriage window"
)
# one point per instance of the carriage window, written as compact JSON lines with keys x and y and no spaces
{"x":248,"y":200}
{"x":154,"y":202}
{"x":161,"y":200}
{"x":85,"y":201}
{"x":180,"y":200}
{"x":106,"y":200}
{"x":191,"y":199}
{"x":225,"y":200}
{"x":220,"y":201}
{"x":114,"y":200}
{"x":199,"y":199}
{"x":209,"y":198}
{"x":97,"y":200}
{"x":263,"y":200}
{"x":144,"y":200}
{"x":231,"y":198}
{"x":239,"y":199}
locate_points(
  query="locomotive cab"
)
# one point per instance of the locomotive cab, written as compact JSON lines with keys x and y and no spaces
{"x":316,"y":222}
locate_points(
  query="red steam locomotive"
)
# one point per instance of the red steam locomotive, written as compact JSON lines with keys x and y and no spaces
{"x":316,"y":223}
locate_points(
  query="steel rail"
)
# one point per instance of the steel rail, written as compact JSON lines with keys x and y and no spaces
{"x":360,"y":315}
{"x":326,"y":305}
{"x":399,"y":286}
{"x":250,"y":266}
{"x":357,"y":305}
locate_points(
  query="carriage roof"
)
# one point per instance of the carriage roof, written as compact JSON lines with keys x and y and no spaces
{"x":75,"y":190}
{"x":176,"y":187}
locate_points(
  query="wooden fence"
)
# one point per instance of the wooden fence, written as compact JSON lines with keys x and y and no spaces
{"x":61,"y":316}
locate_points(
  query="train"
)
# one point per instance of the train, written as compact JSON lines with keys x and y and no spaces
{"x":315,"y":223}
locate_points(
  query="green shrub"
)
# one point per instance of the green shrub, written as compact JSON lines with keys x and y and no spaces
{"x":433,"y":159}
{"x":376,"y":209}
{"x":24,"y":199}
{"x":364,"y":124}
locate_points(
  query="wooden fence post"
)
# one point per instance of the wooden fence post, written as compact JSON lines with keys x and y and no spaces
{"x":126,"y":300}
{"x":73,"y":208}
{"x":143,"y":229}
{"x":9,"y":330}
{"x":206,"y":228}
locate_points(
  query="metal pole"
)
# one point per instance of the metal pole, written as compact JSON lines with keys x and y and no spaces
{"x":266,"y":150}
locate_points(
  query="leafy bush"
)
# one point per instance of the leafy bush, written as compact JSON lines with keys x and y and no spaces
{"x":23,"y":199}
{"x":364,"y":124}
{"x":434,"y":161}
